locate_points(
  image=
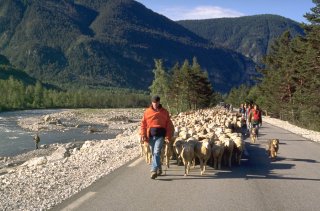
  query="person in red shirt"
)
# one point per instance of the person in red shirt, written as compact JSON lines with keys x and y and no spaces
{"x":156,"y":127}
{"x":255,"y":117}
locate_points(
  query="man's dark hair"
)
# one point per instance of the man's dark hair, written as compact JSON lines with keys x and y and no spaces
{"x":155,"y":99}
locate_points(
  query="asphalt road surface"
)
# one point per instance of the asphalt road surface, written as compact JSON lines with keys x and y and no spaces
{"x":292,"y":182}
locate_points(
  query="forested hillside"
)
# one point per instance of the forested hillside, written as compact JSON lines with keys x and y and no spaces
{"x":251,"y":36}
{"x":20,"y":91}
{"x":7,"y":71}
{"x":290,"y":86}
{"x":106,"y":43}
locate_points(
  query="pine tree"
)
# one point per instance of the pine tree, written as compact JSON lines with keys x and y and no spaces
{"x":276,"y":84}
{"x":160,"y":84}
{"x":290,"y":86}
{"x":310,"y":72}
{"x":238,"y":95}
{"x":38,"y":95}
{"x":201,"y":92}
{"x":184,"y":88}
{"x":314,"y":16}
{"x":175,"y":89}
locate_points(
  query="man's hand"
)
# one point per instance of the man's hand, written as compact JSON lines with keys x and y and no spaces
{"x":142,"y":139}
{"x":167,"y":140}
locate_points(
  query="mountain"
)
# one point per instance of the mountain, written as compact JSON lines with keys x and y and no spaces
{"x":7,"y":71}
{"x":106,"y":43}
{"x":249,"y":35}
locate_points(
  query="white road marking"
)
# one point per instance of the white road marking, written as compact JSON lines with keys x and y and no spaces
{"x":253,"y":175}
{"x":79,"y":201}
{"x":135,"y":162}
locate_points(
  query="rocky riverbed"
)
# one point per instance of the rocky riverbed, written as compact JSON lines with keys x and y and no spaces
{"x":89,"y":118}
{"x":40,"y":179}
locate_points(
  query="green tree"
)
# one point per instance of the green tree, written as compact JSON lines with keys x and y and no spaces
{"x":184,"y":88}
{"x":160,"y":84}
{"x":38,"y":95}
{"x":202,"y":91}
{"x":276,"y":84}
{"x":238,"y":95}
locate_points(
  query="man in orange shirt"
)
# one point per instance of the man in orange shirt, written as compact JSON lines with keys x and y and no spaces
{"x":156,"y":127}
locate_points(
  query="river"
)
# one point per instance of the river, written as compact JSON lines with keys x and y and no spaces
{"x":15,"y":140}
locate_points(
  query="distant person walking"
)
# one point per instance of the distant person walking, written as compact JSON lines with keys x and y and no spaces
{"x":231,"y":108}
{"x":255,"y":117}
{"x":156,"y":127}
{"x":246,"y":116}
{"x":242,"y":109}
{"x":36,"y":140}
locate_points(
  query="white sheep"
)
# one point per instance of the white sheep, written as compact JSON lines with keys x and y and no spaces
{"x":217,"y":153}
{"x":238,"y":149}
{"x":177,"y":148}
{"x":203,"y":152}
{"x":167,"y":153}
{"x":187,"y":155}
{"x":228,"y":150}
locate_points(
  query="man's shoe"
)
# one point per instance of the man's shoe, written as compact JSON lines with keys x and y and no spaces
{"x":160,"y":172}
{"x":153,"y":175}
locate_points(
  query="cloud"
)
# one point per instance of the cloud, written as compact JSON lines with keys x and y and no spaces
{"x":200,"y":12}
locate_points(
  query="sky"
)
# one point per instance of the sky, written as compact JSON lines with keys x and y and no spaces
{"x":205,"y":9}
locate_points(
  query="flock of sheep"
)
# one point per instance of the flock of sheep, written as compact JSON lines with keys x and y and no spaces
{"x":204,"y":134}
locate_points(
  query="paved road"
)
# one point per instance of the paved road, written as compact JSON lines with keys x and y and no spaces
{"x":292,"y":182}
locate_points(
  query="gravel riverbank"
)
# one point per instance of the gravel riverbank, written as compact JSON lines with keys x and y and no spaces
{"x":40,"y":179}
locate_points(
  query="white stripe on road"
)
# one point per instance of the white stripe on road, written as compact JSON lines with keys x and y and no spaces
{"x":79,"y":201}
{"x":253,"y":175}
{"x":133,"y":164}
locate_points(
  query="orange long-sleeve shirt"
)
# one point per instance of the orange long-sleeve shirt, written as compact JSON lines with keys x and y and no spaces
{"x":156,"y":119}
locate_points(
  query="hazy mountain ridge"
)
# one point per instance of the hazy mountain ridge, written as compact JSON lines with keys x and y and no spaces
{"x":248,"y":35}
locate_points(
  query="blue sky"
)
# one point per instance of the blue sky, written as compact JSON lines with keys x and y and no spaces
{"x":203,"y":9}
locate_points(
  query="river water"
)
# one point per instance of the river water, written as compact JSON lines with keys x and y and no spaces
{"x":15,"y":140}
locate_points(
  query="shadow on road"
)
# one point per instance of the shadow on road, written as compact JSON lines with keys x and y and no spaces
{"x":257,"y":166}
{"x":297,"y":159}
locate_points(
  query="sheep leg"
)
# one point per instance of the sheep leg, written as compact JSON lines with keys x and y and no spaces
{"x":188,"y":167}
{"x":201,"y":166}
{"x":179,"y":160}
{"x":225,"y":158}
{"x":166,"y":155}
{"x":167,"y":161}
{"x":141,"y":150}
{"x":219,"y":162}
{"x":149,"y":157}
{"x":204,"y":166}
{"x":185,"y":167}
{"x":229,"y":160}
{"x":238,"y":158}
{"x":215,"y":163}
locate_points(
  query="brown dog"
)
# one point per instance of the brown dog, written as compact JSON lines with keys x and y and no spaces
{"x":272,"y":148}
{"x":253,"y":134}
